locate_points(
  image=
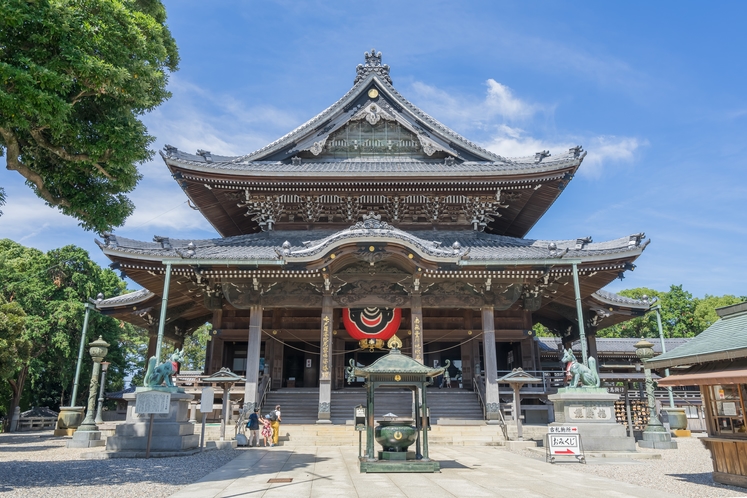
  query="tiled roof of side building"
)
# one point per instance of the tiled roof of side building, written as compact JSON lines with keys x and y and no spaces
{"x":724,"y":340}
{"x":266,"y":245}
{"x":614,"y":345}
{"x":613,"y":298}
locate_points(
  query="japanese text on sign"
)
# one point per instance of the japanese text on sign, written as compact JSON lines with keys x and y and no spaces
{"x":326,"y":340}
{"x":564,"y":444}
{"x":417,"y":339}
{"x":152,"y":402}
{"x":563,"y":429}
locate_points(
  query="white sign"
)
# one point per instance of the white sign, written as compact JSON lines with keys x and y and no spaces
{"x":563,"y":429}
{"x":308,"y":363}
{"x":150,"y":402}
{"x":564,"y":444}
{"x":730,"y":409}
{"x":206,"y":400}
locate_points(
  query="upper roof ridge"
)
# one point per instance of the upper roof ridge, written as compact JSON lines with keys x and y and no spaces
{"x":372,"y":65}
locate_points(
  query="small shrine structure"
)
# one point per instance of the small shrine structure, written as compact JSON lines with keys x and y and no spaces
{"x":396,"y":370}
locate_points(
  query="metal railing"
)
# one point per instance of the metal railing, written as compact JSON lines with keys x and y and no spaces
{"x":478,"y":386}
{"x":550,"y":381}
{"x":263,"y":389}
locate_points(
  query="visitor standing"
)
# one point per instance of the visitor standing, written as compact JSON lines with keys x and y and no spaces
{"x":447,"y":379}
{"x":253,"y":426}
{"x":276,"y":425}
{"x":267,"y":430}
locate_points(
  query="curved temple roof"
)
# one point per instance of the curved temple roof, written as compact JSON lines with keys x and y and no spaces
{"x":305,"y":162}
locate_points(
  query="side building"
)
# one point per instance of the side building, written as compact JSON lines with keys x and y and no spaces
{"x":372,"y":209}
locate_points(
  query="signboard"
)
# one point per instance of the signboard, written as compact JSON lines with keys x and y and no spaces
{"x":360,"y":418}
{"x":563,"y":441}
{"x":206,"y":400}
{"x":152,"y":402}
{"x":564,"y":444}
{"x":563,"y":429}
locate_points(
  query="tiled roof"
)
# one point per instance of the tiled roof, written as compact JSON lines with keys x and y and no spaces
{"x":267,"y":245}
{"x":393,"y":166}
{"x":725,"y":339}
{"x":610,"y":345}
{"x":126,"y":299}
{"x":611,"y":297}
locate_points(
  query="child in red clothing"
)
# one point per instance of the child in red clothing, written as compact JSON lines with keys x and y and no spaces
{"x":266,"y":431}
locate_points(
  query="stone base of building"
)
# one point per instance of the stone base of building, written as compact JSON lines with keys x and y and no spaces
{"x":394,"y":466}
{"x":657,"y":441}
{"x":86,"y":439}
{"x":172,"y":432}
{"x":592,"y":410}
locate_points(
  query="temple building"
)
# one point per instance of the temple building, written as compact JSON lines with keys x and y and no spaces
{"x":372,"y":218}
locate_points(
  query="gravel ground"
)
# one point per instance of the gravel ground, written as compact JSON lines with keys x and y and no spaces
{"x":685,"y":471}
{"x":39,"y":465}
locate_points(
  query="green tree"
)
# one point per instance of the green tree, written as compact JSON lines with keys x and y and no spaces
{"x":51,"y":289}
{"x":705,"y":309}
{"x":75,"y":76}
{"x":15,"y":349}
{"x":195,"y":346}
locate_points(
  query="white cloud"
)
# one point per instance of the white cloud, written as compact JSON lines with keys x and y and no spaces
{"x":465,"y":112}
{"x":501,"y":106}
{"x":602,"y":150}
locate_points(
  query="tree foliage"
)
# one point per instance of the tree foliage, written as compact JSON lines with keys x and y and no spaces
{"x":51,"y":289}
{"x":682,"y":315}
{"x":75,"y":76}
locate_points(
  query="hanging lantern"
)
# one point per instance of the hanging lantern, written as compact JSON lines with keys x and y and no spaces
{"x":371,"y":326}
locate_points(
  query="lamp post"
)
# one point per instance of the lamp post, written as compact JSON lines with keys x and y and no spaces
{"x":98,"y":350}
{"x":99,"y":411}
{"x":657,"y":309}
{"x":655,"y":435}
{"x":91,"y":304}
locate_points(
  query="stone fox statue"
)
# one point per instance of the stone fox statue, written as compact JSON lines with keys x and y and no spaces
{"x":158,"y":374}
{"x":587,"y":375}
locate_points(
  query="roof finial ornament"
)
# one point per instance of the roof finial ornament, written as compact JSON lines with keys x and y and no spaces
{"x":372,"y":65}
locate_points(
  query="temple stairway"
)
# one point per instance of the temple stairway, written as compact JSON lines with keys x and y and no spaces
{"x":447,"y":406}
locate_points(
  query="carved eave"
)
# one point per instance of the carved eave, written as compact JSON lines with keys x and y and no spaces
{"x":372,"y":231}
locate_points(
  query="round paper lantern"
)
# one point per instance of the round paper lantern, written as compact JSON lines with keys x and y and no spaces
{"x":372,"y":325}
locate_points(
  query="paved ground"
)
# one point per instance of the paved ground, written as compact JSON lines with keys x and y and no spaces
{"x":466,"y":472}
{"x":39,"y":465}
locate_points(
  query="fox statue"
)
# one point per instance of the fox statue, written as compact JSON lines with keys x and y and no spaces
{"x":157,"y":375}
{"x":587,"y":375}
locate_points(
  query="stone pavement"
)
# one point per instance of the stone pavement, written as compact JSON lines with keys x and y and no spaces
{"x":466,"y":472}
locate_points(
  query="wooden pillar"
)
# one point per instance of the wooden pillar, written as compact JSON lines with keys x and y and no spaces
{"x":325,"y":362}
{"x":591,"y":340}
{"x":252,"y":356}
{"x":492,"y":398}
{"x":274,"y":354}
{"x":416,"y":323}
{"x":152,"y":340}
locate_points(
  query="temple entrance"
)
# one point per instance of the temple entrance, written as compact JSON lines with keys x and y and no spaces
{"x":508,"y":355}
{"x":300,"y":365}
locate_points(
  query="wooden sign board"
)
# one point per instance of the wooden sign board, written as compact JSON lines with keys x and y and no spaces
{"x":206,"y":400}
{"x":152,"y":402}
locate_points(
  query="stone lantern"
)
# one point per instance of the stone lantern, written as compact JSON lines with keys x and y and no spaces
{"x":655,"y":435}
{"x":98,"y":350}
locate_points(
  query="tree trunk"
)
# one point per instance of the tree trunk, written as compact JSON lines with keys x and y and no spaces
{"x":17,"y":386}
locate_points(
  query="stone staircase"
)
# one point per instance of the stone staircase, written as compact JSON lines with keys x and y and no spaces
{"x":297,"y":405}
{"x":447,"y":406}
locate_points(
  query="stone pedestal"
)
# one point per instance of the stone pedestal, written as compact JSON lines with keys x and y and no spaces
{"x":592,"y":410}
{"x":86,"y":439}
{"x":172,"y":432}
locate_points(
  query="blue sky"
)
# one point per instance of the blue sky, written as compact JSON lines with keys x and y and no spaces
{"x":655,"y":91}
